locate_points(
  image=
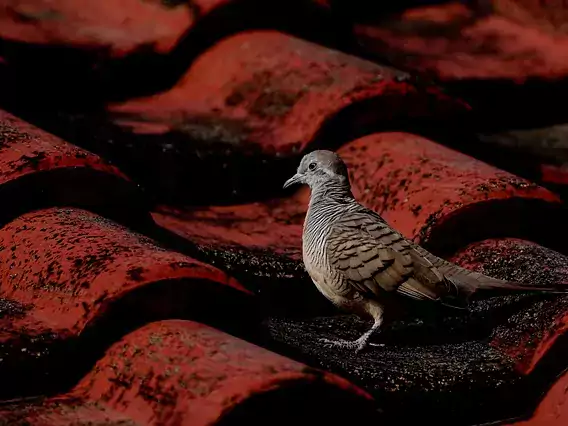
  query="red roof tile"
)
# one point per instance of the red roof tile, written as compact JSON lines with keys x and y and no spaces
{"x":506,"y":58}
{"x":119,"y":27}
{"x":69,"y":271}
{"x":181,"y":372}
{"x":205,"y":315}
{"x":185,"y":373}
{"x":443,"y":198}
{"x":478,"y":40}
{"x":39,"y":169}
{"x":269,"y":91}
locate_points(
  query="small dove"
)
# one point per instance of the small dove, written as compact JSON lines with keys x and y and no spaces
{"x":358,"y":262}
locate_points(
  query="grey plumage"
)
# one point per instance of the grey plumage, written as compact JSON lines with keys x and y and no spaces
{"x":359,"y":262}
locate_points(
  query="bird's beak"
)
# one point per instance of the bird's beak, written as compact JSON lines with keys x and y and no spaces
{"x":297,"y":178}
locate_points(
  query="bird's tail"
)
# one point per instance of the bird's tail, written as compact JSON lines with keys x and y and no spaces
{"x":473,"y":283}
{"x":468,"y":283}
{"x":481,"y":286}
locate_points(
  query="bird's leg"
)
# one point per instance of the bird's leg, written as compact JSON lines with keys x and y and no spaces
{"x":361,"y":342}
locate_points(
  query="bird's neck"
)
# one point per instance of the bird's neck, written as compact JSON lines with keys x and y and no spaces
{"x":328,"y":201}
{"x":331,"y":192}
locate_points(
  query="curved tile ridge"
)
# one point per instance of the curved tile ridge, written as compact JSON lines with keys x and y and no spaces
{"x":270,"y":96}
{"x":185,"y":373}
{"x":38,"y":169}
{"x":444,"y":199}
{"x":284,"y":87}
{"x":80,"y":281}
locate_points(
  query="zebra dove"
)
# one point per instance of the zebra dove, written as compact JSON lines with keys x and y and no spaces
{"x":358,"y":262}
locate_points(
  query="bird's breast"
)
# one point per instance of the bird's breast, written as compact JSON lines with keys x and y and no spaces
{"x":331,"y":286}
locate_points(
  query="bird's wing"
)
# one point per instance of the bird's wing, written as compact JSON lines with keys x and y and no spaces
{"x":376,"y":259}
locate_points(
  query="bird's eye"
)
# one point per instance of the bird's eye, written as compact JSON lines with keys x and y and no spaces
{"x":312,"y":166}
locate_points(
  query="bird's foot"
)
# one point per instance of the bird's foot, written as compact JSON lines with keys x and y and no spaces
{"x":344,"y":344}
{"x":358,"y":345}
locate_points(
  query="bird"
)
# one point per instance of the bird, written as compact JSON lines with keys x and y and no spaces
{"x":361,"y":264}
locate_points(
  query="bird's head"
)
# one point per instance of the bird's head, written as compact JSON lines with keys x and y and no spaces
{"x":319,"y":168}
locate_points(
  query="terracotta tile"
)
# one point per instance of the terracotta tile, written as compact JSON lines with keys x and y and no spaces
{"x":120,"y":27}
{"x":39,"y":169}
{"x":279,"y":88}
{"x":506,"y":58}
{"x":185,"y":373}
{"x":445,"y":199}
{"x":178,"y":372}
{"x":483,"y":40}
{"x":79,"y":280}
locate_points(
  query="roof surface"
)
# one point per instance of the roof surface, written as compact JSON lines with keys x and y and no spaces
{"x":150,"y":263}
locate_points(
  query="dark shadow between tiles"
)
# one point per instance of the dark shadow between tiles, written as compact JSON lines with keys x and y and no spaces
{"x":99,"y":192}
